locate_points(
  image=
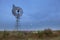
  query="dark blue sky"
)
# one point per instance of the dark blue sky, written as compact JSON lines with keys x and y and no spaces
{"x":38,"y":14}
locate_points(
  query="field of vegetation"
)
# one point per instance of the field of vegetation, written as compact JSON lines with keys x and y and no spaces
{"x":46,"y":34}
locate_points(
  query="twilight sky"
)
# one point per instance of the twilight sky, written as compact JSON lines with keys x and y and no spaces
{"x":38,"y":14}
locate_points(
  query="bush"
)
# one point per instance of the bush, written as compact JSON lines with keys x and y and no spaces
{"x":48,"y":32}
{"x":6,"y":34}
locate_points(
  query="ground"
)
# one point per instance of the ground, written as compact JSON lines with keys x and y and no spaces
{"x":30,"y":35}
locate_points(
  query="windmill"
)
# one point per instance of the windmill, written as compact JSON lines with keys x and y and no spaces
{"x":17,"y":12}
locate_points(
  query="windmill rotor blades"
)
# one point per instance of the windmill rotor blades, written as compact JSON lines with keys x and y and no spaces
{"x":17,"y":11}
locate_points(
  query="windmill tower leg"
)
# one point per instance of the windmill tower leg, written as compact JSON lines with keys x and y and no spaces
{"x":17,"y":25}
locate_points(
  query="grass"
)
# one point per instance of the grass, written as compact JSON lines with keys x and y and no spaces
{"x":47,"y":34}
